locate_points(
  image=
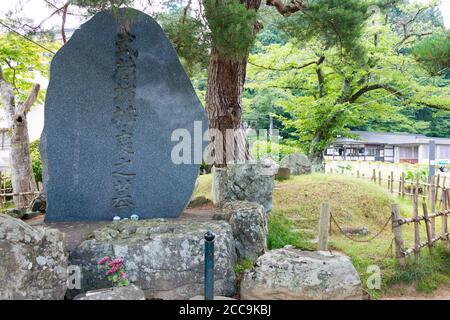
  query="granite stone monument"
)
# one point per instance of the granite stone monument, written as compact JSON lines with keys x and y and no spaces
{"x":117,"y":93}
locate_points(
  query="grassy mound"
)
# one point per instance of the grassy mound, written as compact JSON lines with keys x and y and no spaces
{"x":354,"y":202}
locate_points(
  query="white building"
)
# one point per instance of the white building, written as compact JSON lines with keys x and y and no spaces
{"x":388,"y":147}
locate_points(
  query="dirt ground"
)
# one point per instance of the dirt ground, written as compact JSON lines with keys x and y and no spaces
{"x":409,"y":293}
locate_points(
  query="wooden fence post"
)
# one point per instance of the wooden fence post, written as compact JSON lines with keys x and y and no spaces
{"x":443,"y":188}
{"x":398,"y":234}
{"x":416,"y":223}
{"x":433,"y":206}
{"x":446,"y":206}
{"x":437,"y":187}
{"x":379,"y":177}
{"x":2,"y":200}
{"x":374,"y":176}
{"x":402,"y":179}
{"x":427,"y":226}
{"x":324,"y":226}
{"x":392,"y":181}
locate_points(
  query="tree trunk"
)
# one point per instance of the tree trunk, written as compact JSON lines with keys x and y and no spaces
{"x":224,"y":95}
{"x":224,"y":107}
{"x":224,"y":103}
{"x":315,"y":154}
{"x":21,"y":168}
{"x":22,"y":175}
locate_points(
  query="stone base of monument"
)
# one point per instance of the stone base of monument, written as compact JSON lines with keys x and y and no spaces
{"x":251,"y":181}
{"x":249,"y":225}
{"x":165,"y":258}
{"x":33,"y":263}
{"x":130,"y":292}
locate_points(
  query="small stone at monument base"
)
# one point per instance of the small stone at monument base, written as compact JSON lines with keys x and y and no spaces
{"x":130,"y":292}
{"x":39,"y":203}
{"x":292,"y":274}
{"x":215,"y":298}
{"x":31,"y":215}
{"x":15,"y":213}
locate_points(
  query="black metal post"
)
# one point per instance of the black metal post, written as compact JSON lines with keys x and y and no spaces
{"x":209,"y":265}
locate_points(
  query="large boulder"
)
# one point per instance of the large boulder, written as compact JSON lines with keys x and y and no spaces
{"x":292,"y":274}
{"x":33,"y":263}
{"x":249,"y":224}
{"x":251,"y":181}
{"x":164,"y":258}
{"x":130,"y":292}
{"x":297,"y":163}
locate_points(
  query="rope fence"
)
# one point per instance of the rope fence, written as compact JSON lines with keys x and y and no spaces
{"x":396,"y":221}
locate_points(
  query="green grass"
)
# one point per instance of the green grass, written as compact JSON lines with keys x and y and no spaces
{"x":427,"y":272}
{"x":242,"y":265}
{"x":354,"y":203}
{"x":282,"y":233}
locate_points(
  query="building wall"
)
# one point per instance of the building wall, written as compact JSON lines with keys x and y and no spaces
{"x":442,"y":153}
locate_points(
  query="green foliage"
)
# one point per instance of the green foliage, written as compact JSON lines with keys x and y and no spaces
{"x":412,"y":175}
{"x":36,"y":160}
{"x":189,"y":38}
{"x":275,"y":151}
{"x":242,"y":265}
{"x":281,"y":234}
{"x":94,"y":6}
{"x":332,"y":23}
{"x":21,"y":62}
{"x":434,"y":53}
{"x":232,"y":27}
{"x":384,"y":89}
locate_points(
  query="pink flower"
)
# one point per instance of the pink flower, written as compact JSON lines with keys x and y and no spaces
{"x":114,"y":269}
{"x":103,"y":260}
{"x":116,"y":262}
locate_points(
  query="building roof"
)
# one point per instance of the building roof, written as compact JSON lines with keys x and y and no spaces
{"x":394,"y":138}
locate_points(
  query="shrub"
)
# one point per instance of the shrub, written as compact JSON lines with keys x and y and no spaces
{"x":243,"y":265}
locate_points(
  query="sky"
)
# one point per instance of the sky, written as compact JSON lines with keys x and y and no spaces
{"x":37,"y":11}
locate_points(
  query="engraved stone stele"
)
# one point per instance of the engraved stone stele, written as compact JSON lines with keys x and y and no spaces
{"x":117,"y":92}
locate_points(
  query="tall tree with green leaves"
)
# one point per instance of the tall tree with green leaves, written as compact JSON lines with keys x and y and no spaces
{"x":332,"y":88}
{"x":20,"y":63}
